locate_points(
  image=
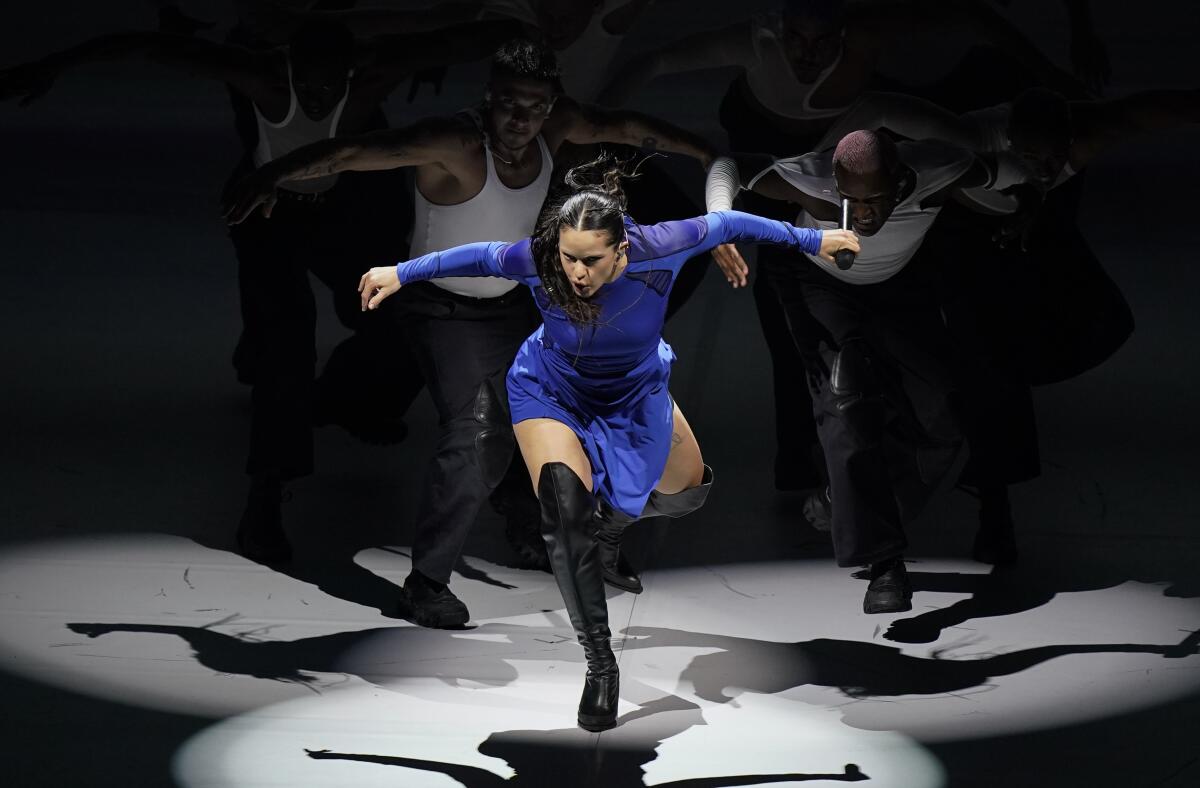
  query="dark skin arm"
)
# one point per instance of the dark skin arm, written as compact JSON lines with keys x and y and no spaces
{"x":249,"y":73}
{"x":1101,"y":125}
{"x":585,"y":124}
{"x":884,"y":21}
{"x":441,"y":149}
{"x":387,"y":60}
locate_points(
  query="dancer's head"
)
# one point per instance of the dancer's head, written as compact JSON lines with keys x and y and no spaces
{"x":321,"y":54}
{"x":868,"y":172}
{"x":562,"y":22}
{"x":812,"y":35}
{"x":1039,"y":132}
{"x":522,"y":86}
{"x":580,"y":243}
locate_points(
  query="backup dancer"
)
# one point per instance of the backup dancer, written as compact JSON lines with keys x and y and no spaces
{"x":479,"y":176}
{"x":604,"y":441}
{"x":878,"y":362}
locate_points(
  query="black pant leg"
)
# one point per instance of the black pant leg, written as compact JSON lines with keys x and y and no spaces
{"x":280,"y":314}
{"x":460,"y":343}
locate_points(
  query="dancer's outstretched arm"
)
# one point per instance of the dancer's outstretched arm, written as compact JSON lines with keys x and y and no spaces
{"x":507,"y":260}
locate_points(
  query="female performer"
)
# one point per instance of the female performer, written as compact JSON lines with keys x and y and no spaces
{"x":604,"y":442}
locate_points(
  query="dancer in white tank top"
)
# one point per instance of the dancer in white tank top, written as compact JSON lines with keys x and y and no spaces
{"x":468,"y":175}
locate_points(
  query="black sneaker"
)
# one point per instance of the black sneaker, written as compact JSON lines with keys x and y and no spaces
{"x":430,"y":604}
{"x":818,"y":509}
{"x":260,"y":535}
{"x":889,"y":591}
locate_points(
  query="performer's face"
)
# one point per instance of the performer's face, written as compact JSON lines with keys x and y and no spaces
{"x":872,"y":198}
{"x":1042,"y":154}
{"x":517,"y":108}
{"x":810,"y":44}
{"x":319,"y":86}
{"x":590,"y":259}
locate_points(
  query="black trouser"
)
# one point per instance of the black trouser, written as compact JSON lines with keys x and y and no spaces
{"x":881,"y":398}
{"x":751,"y":130}
{"x":461,"y":343}
{"x":336,"y":238}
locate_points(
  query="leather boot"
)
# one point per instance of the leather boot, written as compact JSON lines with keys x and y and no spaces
{"x":567,"y":510}
{"x":610,"y":525}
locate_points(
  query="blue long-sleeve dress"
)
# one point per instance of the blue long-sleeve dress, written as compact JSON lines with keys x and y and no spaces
{"x":608,"y":381}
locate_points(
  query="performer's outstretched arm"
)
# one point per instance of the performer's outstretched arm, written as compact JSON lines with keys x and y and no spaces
{"x":506,"y":260}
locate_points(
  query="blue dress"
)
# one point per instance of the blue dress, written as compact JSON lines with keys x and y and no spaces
{"x":608,"y":381}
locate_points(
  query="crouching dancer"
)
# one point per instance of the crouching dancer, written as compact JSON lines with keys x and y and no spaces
{"x":604,"y":442}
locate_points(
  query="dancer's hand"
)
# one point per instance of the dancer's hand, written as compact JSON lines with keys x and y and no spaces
{"x":732,"y":265}
{"x":27,"y":82}
{"x":833,"y":241}
{"x":255,"y":189}
{"x":376,"y":285}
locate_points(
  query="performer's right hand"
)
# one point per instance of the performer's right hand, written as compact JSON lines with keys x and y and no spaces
{"x":834,"y":240}
{"x":731,"y":263}
{"x":377,"y":284}
{"x":255,"y":189}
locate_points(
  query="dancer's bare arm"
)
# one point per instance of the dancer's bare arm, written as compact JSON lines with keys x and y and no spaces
{"x":250,"y":73}
{"x":1102,"y":125}
{"x":445,"y":144}
{"x":585,"y":124}
{"x":727,"y":46}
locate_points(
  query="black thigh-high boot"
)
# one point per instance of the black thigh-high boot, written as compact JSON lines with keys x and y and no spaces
{"x":567,"y":508}
{"x":611,"y":524}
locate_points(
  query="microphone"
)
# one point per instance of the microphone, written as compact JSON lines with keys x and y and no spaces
{"x":844,"y":257}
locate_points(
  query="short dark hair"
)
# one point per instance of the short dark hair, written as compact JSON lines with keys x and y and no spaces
{"x":322,"y":42}
{"x":525,"y":59}
{"x":865,"y":152}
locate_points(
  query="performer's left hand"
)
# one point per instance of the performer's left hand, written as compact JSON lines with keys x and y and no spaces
{"x":833,"y":241}
{"x":376,"y":285}
{"x":731,"y":263}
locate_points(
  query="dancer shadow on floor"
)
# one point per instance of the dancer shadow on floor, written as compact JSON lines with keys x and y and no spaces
{"x":857,"y":669}
{"x":1003,"y":592}
{"x":382,"y":656}
{"x":336,"y":573}
{"x":572,"y":756}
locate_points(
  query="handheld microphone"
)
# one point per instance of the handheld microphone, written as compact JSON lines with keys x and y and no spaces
{"x":844,"y":257}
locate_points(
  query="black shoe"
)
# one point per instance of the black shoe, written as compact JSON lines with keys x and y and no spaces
{"x":601,"y":686}
{"x":889,"y":591}
{"x":260,"y":535}
{"x":995,"y":542}
{"x":430,"y":604}
{"x":818,"y":510}
{"x":610,"y":525}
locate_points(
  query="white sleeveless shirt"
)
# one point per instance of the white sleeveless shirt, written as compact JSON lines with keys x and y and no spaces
{"x":773,"y":81}
{"x":884,"y":254}
{"x":296,"y":130}
{"x":496,"y":213}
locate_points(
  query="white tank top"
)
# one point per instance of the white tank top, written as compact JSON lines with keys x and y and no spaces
{"x":295,"y":131}
{"x":772,"y":80}
{"x":496,"y":213}
{"x":884,"y":254}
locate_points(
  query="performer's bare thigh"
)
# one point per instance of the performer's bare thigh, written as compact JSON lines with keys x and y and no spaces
{"x":548,"y":440}
{"x":685,"y":465}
